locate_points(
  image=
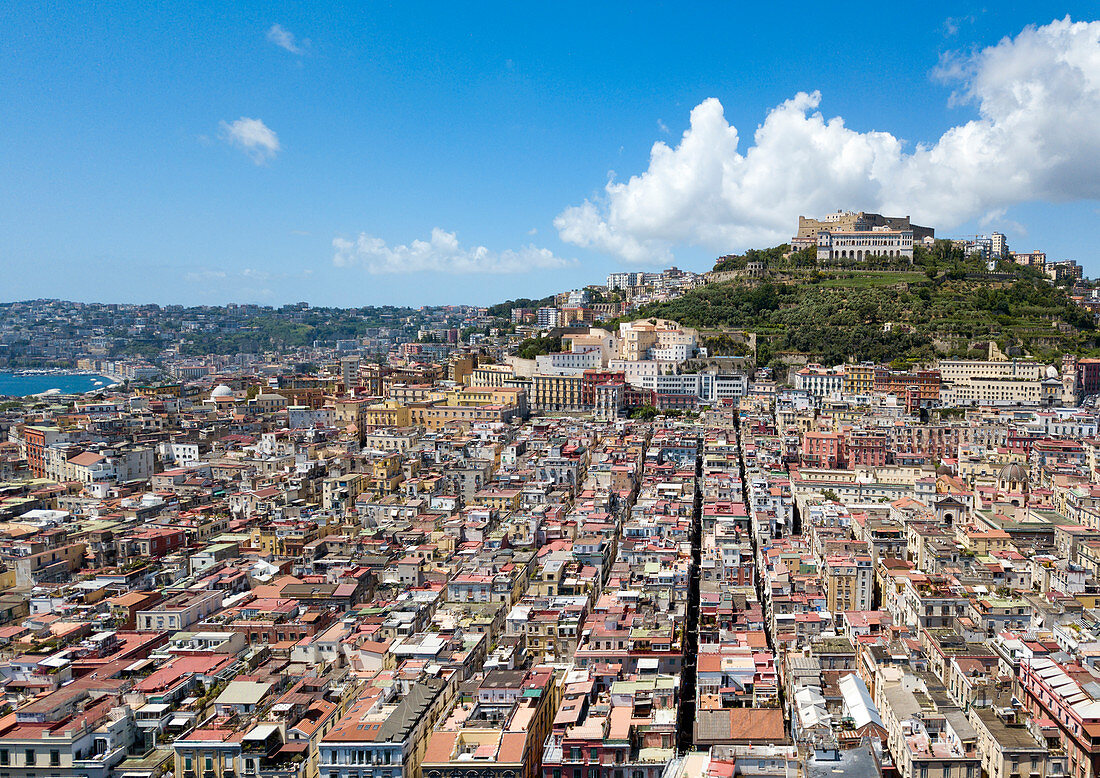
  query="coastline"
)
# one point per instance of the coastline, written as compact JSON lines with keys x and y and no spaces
{"x":55,"y":382}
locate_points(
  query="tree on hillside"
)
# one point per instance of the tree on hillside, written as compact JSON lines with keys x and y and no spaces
{"x":533,"y":347}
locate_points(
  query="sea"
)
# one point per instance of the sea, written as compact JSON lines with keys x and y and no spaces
{"x":12,"y":385}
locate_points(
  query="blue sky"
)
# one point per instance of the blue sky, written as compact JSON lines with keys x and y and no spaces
{"x":262,"y":153}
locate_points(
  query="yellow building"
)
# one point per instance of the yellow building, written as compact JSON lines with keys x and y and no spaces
{"x":637,"y":337}
{"x":491,"y":375}
{"x":848,"y":583}
{"x":210,"y":752}
{"x":499,"y":499}
{"x":511,"y":749}
{"x":859,"y":379}
{"x":983,"y":542}
{"x":437,"y":417}
{"x":412,"y":393}
{"x":164,"y":390}
{"x":485,"y":395}
{"x":461,"y":367}
{"x":348,"y":411}
{"x":490,"y":395}
{"x":387,"y":414}
{"x":556,"y":393}
{"x":386,"y":473}
{"x":286,"y":538}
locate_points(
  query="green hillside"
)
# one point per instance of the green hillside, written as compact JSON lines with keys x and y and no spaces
{"x":940,"y":306}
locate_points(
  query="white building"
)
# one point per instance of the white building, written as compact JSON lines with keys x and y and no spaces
{"x":819,"y":381}
{"x":966,"y":369}
{"x":304,"y":417}
{"x":567,"y":362}
{"x":548,"y":317}
{"x":637,"y":370}
{"x":864,"y":244}
{"x":607,"y":343}
{"x":577,"y":298}
{"x":730,"y":387}
{"x":709,"y":386}
{"x":671,"y":352}
{"x":622,"y":280}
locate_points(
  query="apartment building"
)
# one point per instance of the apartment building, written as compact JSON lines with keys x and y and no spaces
{"x":181,"y":611}
{"x":1065,"y":695}
{"x":921,"y":386}
{"x":820,"y":381}
{"x":859,"y":379}
{"x":637,"y":338}
{"x":1009,"y":747}
{"x":67,"y":732}
{"x":384,"y":735}
{"x":500,"y":732}
{"x":970,"y":369}
{"x":568,"y":362}
{"x":209,"y":752}
{"x":436,"y":417}
{"x":849,"y":582}
{"x":995,"y":391}
{"x":557,"y":393}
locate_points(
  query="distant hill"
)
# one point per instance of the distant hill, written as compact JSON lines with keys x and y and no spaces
{"x":943,"y":305}
{"x":504,"y":310}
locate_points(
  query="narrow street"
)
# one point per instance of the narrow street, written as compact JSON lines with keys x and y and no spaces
{"x":685,"y":725}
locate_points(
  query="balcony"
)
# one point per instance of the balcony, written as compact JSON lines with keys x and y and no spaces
{"x":552,"y":753}
{"x":100,"y":761}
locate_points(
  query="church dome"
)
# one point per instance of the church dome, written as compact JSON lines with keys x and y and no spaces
{"x":1013,"y":473}
{"x":221,"y":390}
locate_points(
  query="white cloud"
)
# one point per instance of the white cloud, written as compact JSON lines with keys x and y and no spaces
{"x":284,"y":39}
{"x":440,"y":254}
{"x":994,"y":217}
{"x":253,"y":137}
{"x":997,"y":220}
{"x":1035,"y":138}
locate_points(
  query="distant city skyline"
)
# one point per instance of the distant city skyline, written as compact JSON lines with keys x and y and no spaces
{"x":436,"y":155}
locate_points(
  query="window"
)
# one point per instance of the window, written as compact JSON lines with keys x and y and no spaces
{"x":28,"y":756}
{"x":55,"y":758}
